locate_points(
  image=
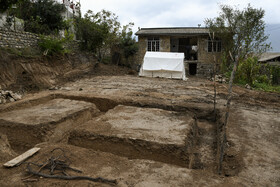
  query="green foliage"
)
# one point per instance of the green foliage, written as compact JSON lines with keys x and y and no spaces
{"x":53,"y":46}
{"x":111,"y":32}
{"x":267,"y":87}
{"x":6,"y":4}
{"x":262,"y":79}
{"x":248,"y":70}
{"x":90,"y":33}
{"x":128,"y":42}
{"x":251,"y":72}
{"x":101,"y":32}
{"x":42,"y":16}
{"x":242,"y":31}
{"x":275,"y":74}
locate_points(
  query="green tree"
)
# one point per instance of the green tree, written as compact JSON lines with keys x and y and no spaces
{"x":99,"y":32}
{"x":6,"y":4}
{"x":249,"y":70}
{"x":90,"y":33}
{"x":111,"y":36}
{"x":128,"y":42}
{"x":42,"y":16}
{"x":242,"y":32}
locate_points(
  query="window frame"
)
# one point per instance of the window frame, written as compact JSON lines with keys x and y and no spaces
{"x":153,"y":44}
{"x":217,"y":46}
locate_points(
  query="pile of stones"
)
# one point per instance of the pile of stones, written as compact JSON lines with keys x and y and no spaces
{"x":9,"y":96}
{"x":220,"y":79}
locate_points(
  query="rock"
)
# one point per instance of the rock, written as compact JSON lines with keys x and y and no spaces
{"x":16,"y":96}
{"x":66,"y":88}
{"x":10,"y":96}
{"x":53,"y":88}
{"x":248,"y":86}
{"x":12,"y":99}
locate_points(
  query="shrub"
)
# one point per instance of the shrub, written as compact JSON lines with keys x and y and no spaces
{"x":41,"y":16}
{"x":262,"y":79}
{"x":266,"y":87}
{"x":248,"y":70}
{"x":275,"y":74}
{"x":52,"y":45}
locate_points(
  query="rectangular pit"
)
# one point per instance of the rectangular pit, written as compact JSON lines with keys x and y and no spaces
{"x":26,"y":127}
{"x":140,"y":133}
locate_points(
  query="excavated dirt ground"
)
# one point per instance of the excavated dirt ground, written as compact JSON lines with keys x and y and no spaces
{"x":144,"y":132}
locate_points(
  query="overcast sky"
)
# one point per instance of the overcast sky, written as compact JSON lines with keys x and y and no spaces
{"x":178,"y":13}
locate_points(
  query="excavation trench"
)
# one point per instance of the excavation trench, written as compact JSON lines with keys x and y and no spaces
{"x":141,"y":133}
{"x":51,"y":120}
{"x":136,"y":131}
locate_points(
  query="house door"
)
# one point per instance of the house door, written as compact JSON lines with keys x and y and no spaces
{"x":174,"y":45}
{"x":192,"y":68}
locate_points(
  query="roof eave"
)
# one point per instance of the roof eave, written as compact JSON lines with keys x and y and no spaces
{"x":169,"y":34}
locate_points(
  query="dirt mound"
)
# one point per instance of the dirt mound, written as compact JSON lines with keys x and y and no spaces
{"x":112,"y":70}
{"x":36,"y":73}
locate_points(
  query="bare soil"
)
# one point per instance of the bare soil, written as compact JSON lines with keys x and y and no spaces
{"x":144,"y":132}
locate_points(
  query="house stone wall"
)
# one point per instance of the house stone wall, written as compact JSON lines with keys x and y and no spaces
{"x":17,"y":39}
{"x":205,"y":60}
{"x":164,"y":43}
{"x":203,"y":55}
{"x":142,"y":44}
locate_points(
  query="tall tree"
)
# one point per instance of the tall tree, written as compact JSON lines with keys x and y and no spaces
{"x":128,"y":43}
{"x":242,"y":33}
{"x":42,"y":16}
{"x":90,"y":33}
{"x":110,"y":20}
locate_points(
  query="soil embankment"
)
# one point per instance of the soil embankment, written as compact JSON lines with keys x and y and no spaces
{"x":37,"y":73}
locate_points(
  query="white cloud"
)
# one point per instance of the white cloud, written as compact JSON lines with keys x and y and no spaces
{"x":179,"y":13}
{"x":159,"y":13}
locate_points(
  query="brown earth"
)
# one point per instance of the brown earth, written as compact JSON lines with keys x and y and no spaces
{"x":142,"y":131}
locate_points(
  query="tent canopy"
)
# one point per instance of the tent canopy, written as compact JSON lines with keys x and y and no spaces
{"x":163,"y":64}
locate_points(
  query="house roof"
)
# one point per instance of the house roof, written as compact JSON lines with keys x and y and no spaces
{"x":173,"y":31}
{"x":268,"y":56}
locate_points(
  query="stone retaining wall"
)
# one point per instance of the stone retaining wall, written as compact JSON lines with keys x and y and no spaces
{"x":17,"y":39}
{"x":21,"y":39}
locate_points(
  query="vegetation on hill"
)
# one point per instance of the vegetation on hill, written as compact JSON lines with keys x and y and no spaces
{"x":101,"y":32}
{"x":243,"y":33}
{"x":42,"y":16}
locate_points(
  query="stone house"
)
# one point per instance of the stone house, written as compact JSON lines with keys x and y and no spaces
{"x":194,"y":42}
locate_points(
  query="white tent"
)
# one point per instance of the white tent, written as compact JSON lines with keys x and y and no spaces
{"x":163,"y":64}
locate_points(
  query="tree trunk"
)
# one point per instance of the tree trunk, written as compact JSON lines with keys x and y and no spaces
{"x":224,"y":125}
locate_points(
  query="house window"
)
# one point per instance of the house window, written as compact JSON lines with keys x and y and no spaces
{"x":153,"y":44}
{"x":215,"y":46}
